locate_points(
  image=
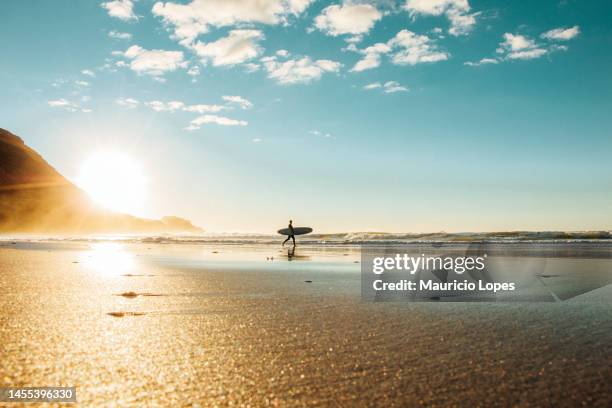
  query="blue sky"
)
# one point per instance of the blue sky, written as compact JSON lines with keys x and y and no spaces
{"x":346,"y":116}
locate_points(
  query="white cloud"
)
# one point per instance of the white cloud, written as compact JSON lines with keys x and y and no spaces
{"x":256,"y":140}
{"x":63,"y":103}
{"x":319,"y":133}
{"x":214,"y":119}
{"x":154,"y":62}
{"x":129,"y":103}
{"x":373,"y":85}
{"x":81,"y":83}
{"x":282,"y":53}
{"x":415,"y":49}
{"x":194,"y":18}
{"x":296,"y":7}
{"x":369,"y":61}
{"x":67,"y":105}
{"x":461,"y":24}
{"x":371,"y":57}
{"x":354,"y":39}
{"x":457,"y":12}
{"x":171,"y":106}
{"x":201,"y":108}
{"x":516,"y":42}
{"x":194,"y":71}
{"x":406,"y":48}
{"x":238,"y":100}
{"x":562,"y":34}
{"x":556,"y":47}
{"x":387,"y":87}
{"x":528,"y":54}
{"x":516,"y":46}
{"x":239,"y":46}
{"x":521,"y":47}
{"x":483,"y":61}
{"x":347,"y":19}
{"x":88,"y":73}
{"x":121,"y":9}
{"x":119,"y":35}
{"x":251,"y":67}
{"x":393,"y":87}
{"x":59,"y":82}
{"x":295,"y":71}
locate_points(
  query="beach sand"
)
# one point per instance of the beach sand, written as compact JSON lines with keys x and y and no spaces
{"x":182,"y":325}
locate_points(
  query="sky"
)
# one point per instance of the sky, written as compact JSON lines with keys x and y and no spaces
{"x":399,"y":116}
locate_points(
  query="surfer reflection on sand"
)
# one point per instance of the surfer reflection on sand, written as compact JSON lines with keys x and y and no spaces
{"x":291,"y":252}
{"x":293,"y":256}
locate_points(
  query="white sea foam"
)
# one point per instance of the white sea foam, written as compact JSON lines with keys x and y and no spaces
{"x":351,"y":238}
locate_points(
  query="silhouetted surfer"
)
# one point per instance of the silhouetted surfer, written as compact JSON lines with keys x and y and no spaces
{"x":291,"y":234}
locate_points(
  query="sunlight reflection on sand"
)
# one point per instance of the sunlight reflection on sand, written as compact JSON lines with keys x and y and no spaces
{"x":108,"y":259}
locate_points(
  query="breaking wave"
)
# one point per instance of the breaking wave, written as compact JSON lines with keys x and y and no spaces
{"x":351,"y":238}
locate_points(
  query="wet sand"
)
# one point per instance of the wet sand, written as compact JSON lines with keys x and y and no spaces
{"x":164,"y":325}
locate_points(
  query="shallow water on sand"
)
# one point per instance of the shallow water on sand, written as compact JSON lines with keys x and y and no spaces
{"x":177,"y":325}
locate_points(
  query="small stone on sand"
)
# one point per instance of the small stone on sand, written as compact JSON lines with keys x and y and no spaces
{"x":123,"y":314}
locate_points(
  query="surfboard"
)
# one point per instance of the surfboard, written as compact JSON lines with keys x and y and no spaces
{"x":296,"y":231}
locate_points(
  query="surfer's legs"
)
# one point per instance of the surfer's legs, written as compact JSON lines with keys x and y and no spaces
{"x":285,"y":241}
{"x":293,"y":238}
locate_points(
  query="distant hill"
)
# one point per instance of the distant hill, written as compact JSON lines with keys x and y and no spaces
{"x":35,"y":198}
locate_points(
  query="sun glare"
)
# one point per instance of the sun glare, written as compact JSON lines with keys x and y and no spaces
{"x":108,"y":259}
{"x":114,"y":181}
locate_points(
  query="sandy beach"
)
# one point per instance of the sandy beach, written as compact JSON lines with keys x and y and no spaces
{"x":210,"y":325}
{"x":299,"y":203}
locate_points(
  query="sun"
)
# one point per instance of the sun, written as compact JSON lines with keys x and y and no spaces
{"x":114,"y":181}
